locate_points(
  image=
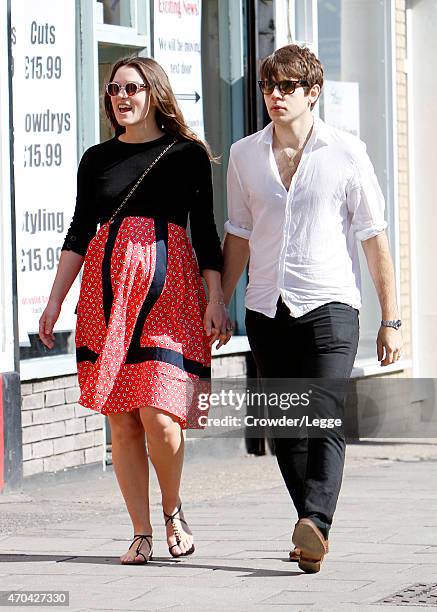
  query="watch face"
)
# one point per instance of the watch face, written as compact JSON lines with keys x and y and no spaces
{"x":397,"y":324}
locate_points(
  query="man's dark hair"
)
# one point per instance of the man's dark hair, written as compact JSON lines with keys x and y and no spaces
{"x":294,"y":62}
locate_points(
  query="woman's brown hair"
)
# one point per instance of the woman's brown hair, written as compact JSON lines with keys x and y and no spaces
{"x":168,"y":114}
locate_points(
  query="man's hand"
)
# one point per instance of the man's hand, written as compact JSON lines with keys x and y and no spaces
{"x":388,"y":344}
{"x":389,"y":340}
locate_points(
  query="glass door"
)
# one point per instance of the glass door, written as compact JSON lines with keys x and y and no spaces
{"x":224,"y":76}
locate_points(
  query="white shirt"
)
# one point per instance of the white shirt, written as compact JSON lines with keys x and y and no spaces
{"x":303,"y":243}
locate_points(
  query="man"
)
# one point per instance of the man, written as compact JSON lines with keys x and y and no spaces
{"x":300,"y":195}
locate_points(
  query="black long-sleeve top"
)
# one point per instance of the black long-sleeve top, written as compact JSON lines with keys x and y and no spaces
{"x":178,"y":186}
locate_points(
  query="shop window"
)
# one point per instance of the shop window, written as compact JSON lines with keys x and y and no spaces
{"x":44,"y":159}
{"x":119,"y":27}
{"x":123,"y":22}
{"x":305,"y":15}
{"x":224,"y":89}
{"x":118,"y":12}
{"x":223,"y":57}
{"x":354,"y":48}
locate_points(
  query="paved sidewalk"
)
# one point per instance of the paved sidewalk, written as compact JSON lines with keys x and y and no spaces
{"x":65,"y":532}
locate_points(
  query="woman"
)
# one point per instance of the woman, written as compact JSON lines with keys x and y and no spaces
{"x":144,"y":329}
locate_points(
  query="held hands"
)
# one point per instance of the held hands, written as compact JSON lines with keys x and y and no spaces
{"x":217,"y":324}
{"x":47,"y":322}
{"x":388,"y":344}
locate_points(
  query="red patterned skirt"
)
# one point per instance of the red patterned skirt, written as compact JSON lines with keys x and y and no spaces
{"x":140,"y":339}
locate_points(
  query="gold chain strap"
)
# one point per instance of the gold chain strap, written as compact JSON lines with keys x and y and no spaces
{"x":146,"y":171}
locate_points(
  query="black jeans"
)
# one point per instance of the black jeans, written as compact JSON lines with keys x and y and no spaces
{"x":320,"y":344}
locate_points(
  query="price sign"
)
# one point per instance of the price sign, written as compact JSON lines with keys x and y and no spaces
{"x":45,"y":154}
{"x":177,"y":47}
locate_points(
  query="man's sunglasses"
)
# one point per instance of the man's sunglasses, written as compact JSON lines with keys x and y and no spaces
{"x":113,"y":89}
{"x":285,"y":87}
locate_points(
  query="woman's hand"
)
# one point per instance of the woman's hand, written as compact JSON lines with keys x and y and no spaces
{"x":47,"y":322}
{"x":217,"y":324}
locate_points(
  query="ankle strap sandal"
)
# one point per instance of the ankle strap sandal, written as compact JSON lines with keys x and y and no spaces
{"x":170,"y":518}
{"x":139,"y":539}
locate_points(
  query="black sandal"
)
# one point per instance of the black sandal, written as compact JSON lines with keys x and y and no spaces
{"x":171,"y":518}
{"x":141,"y":538}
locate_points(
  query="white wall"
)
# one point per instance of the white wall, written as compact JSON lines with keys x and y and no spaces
{"x":422,"y":54}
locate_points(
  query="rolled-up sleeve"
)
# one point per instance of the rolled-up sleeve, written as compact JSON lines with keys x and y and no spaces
{"x":239,"y":221}
{"x":365,"y":200}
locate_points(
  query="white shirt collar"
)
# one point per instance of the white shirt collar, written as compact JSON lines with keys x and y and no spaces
{"x":320,"y":132}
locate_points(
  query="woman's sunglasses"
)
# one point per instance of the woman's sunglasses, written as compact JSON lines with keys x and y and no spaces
{"x":113,"y":89}
{"x":285,"y":87}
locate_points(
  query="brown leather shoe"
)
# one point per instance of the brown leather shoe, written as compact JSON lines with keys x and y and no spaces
{"x":294,"y":555}
{"x":312,"y":544}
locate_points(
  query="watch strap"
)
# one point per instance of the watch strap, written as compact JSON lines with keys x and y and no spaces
{"x":392,"y":323}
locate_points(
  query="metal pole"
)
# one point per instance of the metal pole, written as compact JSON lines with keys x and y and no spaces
{"x":12,"y":192}
{"x":10,"y":401}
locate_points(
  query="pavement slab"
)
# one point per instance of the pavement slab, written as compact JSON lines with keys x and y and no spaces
{"x":66,"y":532}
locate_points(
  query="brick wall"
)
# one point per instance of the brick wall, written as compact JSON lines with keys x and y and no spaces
{"x":403,"y":175}
{"x":57,"y":432}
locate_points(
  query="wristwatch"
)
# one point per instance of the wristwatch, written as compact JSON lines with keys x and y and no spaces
{"x":395,"y":324}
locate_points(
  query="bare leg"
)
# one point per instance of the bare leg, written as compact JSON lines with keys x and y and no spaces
{"x":165,"y":443}
{"x":131,"y":466}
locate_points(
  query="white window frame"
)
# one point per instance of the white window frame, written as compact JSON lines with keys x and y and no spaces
{"x":138,"y":35}
{"x":309,"y":8}
{"x":414,"y":260}
{"x":392,"y":141}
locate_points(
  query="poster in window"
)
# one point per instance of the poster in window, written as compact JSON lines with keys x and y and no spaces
{"x":342,"y":105}
{"x":45,"y":151}
{"x":177,"y":47}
